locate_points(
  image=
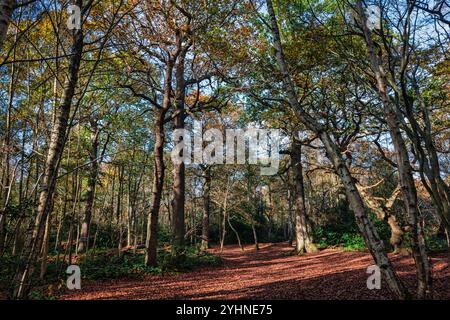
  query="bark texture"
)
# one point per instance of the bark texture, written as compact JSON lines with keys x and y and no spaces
{"x":6,"y":11}
{"x":83,"y":244}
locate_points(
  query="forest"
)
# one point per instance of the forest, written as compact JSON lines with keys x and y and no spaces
{"x":224,"y":149}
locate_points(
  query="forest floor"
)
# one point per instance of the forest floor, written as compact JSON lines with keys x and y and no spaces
{"x":270,"y":273}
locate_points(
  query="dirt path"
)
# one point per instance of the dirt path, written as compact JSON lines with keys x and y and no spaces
{"x":268,"y":274}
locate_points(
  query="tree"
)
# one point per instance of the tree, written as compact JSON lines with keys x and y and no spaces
{"x":404,"y":167}
{"x":371,"y":237}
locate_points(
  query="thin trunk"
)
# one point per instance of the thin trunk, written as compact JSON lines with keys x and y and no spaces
{"x":397,"y":234}
{"x":151,"y":242}
{"x":430,"y":170}
{"x":44,"y":251}
{"x":6,"y":10}
{"x":158,"y":184}
{"x":236,"y":233}
{"x":16,"y":237}
{"x":79,"y":179}
{"x":111,"y":217}
{"x":224,"y":230}
{"x":179,"y":183}
{"x":129,"y":208}
{"x":90,"y":194}
{"x":447,"y":232}
{"x":255,"y":236}
{"x":67,"y":249}
{"x":119,"y":245}
{"x":64,"y":207}
{"x":94,"y":243}
{"x":70,"y":242}
{"x":406,"y":178}
{"x":58,"y":233}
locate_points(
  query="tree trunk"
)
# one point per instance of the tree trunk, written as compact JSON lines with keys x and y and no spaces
{"x":44,"y":251}
{"x":179,"y":183}
{"x":130,"y":214}
{"x":304,"y":241}
{"x":119,"y":209}
{"x":397,"y":234}
{"x":158,"y":184}
{"x":70,"y":242}
{"x":255,"y":236}
{"x":235,"y":232}
{"x":290,"y":218}
{"x":430,"y":170}
{"x":224,"y":229}
{"x":447,"y":234}
{"x":5,"y":192}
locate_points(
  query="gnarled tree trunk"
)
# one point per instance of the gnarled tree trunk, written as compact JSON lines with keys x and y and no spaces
{"x":90,"y":195}
{"x":384,"y":212}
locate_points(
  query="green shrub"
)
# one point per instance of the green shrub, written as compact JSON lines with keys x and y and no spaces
{"x":335,"y":236}
{"x":353,"y":242}
{"x":107,"y":266}
{"x":164,"y":234}
{"x":103,"y":265}
{"x":437,"y":243}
